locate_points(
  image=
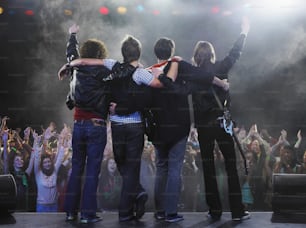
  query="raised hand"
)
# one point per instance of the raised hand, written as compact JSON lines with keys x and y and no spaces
{"x":245,"y":25}
{"x":74,"y":29}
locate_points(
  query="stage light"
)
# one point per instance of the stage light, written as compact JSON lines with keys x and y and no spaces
{"x":67,"y":12}
{"x":277,"y":8}
{"x":140,"y":8}
{"x":156,"y":12}
{"x":215,"y":9}
{"x":29,"y":12}
{"x":1,"y":10}
{"x":279,"y":3}
{"x":273,"y":4}
{"x":104,"y":10}
{"x":122,"y":10}
{"x":227,"y":13}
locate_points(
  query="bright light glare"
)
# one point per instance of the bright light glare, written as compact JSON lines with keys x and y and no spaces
{"x":122,"y":10}
{"x":280,"y":3}
{"x":274,"y":4}
{"x":276,"y":7}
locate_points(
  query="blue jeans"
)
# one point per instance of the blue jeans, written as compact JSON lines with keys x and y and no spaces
{"x":169,"y":163}
{"x":128,"y":142}
{"x":88,"y":143}
{"x":46,"y":207}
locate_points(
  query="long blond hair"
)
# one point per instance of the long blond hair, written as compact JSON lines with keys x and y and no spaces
{"x":203,"y":53}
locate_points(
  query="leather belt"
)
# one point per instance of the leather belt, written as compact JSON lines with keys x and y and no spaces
{"x":93,"y":121}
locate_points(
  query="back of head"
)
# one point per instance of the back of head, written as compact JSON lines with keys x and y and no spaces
{"x":164,"y":48}
{"x":203,"y":53}
{"x":130,"y":49}
{"x":93,"y":48}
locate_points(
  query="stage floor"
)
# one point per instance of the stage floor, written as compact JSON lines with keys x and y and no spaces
{"x":192,"y":220}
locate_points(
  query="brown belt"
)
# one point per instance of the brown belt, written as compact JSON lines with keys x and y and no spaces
{"x":93,"y":120}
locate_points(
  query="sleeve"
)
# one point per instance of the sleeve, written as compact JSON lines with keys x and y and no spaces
{"x":142,"y":76}
{"x":177,"y":88}
{"x":190,"y":79}
{"x":72,"y":51}
{"x":195,"y":74}
{"x":60,"y":157}
{"x":109,"y":63}
{"x":234,"y":54}
{"x":37,"y":156}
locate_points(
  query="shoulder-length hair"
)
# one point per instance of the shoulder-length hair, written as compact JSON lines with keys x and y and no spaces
{"x":203,"y":53}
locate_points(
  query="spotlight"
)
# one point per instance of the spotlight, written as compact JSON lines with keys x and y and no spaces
{"x":29,"y":12}
{"x":215,"y":9}
{"x":156,"y":12}
{"x":140,"y":8}
{"x":67,"y":12}
{"x":104,"y":10}
{"x":121,"y":10}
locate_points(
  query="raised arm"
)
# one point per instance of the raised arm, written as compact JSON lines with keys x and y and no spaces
{"x":63,"y":142}
{"x":5,"y":135}
{"x":31,"y":164}
{"x":235,"y":52}
{"x":37,"y":148}
{"x":299,"y":139}
{"x":72,"y":51}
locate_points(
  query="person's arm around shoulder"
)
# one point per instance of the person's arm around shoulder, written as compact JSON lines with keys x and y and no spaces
{"x":172,"y":74}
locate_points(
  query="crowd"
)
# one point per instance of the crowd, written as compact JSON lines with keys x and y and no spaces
{"x":41,"y":165}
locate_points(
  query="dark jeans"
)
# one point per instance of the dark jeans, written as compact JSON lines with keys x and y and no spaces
{"x":128,"y":142}
{"x":207,"y":134}
{"x":169,"y":163}
{"x":88,"y":143}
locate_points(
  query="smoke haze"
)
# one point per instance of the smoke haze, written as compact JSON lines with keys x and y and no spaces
{"x":267,"y":83}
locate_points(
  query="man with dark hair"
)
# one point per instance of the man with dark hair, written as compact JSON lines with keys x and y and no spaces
{"x":171,"y":111}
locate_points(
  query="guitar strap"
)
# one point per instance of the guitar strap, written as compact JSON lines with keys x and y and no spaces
{"x":227,"y":124}
{"x":157,"y":65}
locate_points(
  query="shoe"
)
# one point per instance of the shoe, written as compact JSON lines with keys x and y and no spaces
{"x":126,"y":218}
{"x":140,"y":208}
{"x":174,"y":218}
{"x":160,"y":216}
{"x":213,"y":216}
{"x":245,"y":215}
{"x":71,"y":217}
{"x":95,"y":219}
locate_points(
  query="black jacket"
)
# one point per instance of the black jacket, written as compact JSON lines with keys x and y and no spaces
{"x":171,"y":108}
{"x":129,"y":96}
{"x":206,"y":108}
{"x":87,"y":88}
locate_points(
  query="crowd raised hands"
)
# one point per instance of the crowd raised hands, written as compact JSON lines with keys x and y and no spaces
{"x":46,"y":151}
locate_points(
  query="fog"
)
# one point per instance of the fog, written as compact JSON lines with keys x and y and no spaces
{"x":267,"y":83}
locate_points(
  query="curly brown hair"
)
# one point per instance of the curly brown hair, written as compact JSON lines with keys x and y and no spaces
{"x":93,"y":48}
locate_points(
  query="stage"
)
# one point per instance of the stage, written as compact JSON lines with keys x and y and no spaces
{"x":192,"y":220}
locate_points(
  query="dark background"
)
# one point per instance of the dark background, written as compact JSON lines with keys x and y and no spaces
{"x":268,"y":85}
